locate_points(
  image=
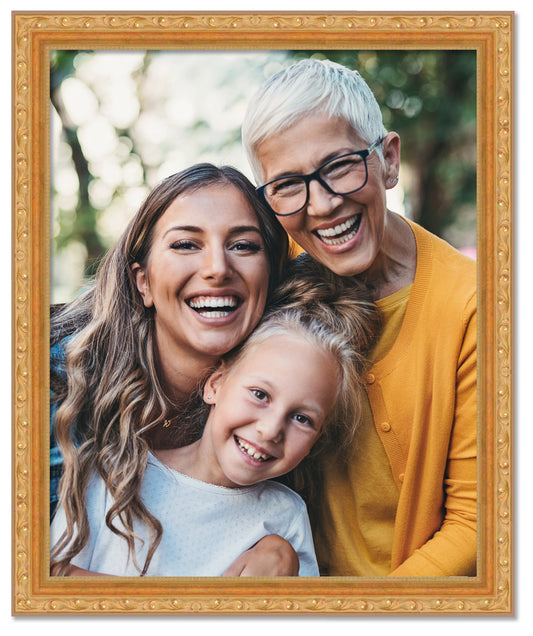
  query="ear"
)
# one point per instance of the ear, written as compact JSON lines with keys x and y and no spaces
{"x":143,"y":285}
{"x":391,"y":154}
{"x":214,"y":383}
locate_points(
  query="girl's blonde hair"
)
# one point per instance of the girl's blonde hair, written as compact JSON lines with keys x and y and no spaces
{"x":111,"y":397}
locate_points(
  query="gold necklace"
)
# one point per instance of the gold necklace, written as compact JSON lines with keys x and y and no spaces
{"x":168,"y":422}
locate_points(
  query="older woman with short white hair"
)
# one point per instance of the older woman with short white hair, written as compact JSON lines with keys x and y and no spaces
{"x":404,"y":502}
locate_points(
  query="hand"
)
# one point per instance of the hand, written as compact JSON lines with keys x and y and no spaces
{"x":270,"y":556}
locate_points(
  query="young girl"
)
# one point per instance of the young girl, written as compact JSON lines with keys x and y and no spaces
{"x":294,"y":382}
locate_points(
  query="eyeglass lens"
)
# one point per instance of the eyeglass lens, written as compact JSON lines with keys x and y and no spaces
{"x":342,"y":175}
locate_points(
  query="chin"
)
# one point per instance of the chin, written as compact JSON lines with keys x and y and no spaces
{"x":217,"y":350}
{"x":344,"y":269}
{"x":348,"y":264}
{"x":221,"y":347}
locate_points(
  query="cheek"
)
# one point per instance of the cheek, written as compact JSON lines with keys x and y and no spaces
{"x":377,"y":198}
{"x":230,"y":405}
{"x":257,"y":279}
{"x":298,"y":231}
{"x":301,"y":446}
{"x":170,"y":275}
{"x":293,"y":223}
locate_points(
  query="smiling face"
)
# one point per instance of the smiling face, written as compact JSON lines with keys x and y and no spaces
{"x":269,"y":409}
{"x":206,"y":275}
{"x":345,"y":233}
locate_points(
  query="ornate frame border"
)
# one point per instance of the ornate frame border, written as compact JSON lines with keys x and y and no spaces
{"x":34,"y":34}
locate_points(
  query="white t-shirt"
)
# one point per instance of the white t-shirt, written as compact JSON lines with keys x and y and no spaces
{"x":205,"y":527}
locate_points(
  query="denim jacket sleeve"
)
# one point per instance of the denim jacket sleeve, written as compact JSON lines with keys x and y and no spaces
{"x":57,"y":365}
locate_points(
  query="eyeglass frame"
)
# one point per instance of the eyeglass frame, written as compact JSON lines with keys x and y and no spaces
{"x":315,"y":176}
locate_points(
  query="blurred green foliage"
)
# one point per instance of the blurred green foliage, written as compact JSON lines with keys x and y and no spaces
{"x":80,"y":226}
{"x":428,"y":97}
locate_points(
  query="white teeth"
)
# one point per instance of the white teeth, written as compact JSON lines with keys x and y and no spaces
{"x":204,"y":302}
{"x":214,"y":314}
{"x":250,"y":450}
{"x":339,"y":241}
{"x":210,"y":305}
{"x":335,"y":235}
{"x":338,"y":229}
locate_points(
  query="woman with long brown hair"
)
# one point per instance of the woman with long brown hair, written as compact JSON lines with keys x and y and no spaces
{"x":187,"y":282}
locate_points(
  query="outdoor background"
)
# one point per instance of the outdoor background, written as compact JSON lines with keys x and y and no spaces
{"x":121,"y":121}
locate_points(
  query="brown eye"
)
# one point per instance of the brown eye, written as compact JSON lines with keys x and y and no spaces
{"x":246,"y":246}
{"x":183,"y":245}
{"x":303,"y":419}
{"x":260,"y":395}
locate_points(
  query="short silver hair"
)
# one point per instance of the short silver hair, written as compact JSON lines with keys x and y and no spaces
{"x":308,"y":87}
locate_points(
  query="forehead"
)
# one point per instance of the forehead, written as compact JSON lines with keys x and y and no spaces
{"x":305,"y":145}
{"x":212,"y":205}
{"x":288,"y":360}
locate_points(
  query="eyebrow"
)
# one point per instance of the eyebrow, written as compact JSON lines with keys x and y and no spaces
{"x":238,"y":229}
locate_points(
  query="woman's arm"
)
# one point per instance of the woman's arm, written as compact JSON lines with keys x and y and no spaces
{"x":452,"y":550}
{"x":270,"y":556}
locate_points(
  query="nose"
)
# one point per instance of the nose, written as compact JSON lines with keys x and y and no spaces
{"x":216,"y":266}
{"x":271,"y":427}
{"x":321,"y":202}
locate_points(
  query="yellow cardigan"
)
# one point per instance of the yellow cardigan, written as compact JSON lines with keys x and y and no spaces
{"x":423,"y":398}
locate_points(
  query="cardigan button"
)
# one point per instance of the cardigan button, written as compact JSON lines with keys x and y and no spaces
{"x":401,"y":477}
{"x":370,"y":378}
{"x":385,"y":427}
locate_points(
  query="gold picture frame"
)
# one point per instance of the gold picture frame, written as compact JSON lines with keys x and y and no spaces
{"x":490,"y":34}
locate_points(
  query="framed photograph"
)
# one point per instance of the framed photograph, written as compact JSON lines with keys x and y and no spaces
{"x":131,"y":91}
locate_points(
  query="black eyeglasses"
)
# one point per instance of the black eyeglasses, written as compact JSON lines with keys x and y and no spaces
{"x":341,"y":175}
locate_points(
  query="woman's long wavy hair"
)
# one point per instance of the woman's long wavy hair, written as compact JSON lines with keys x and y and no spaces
{"x":112,"y":396}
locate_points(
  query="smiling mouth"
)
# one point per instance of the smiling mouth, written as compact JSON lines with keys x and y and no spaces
{"x":214,"y":306}
{"x":340,"y":233}
{"x":251,"y":451}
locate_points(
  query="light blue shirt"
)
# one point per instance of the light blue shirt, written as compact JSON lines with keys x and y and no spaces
{"x":205,"y":527}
